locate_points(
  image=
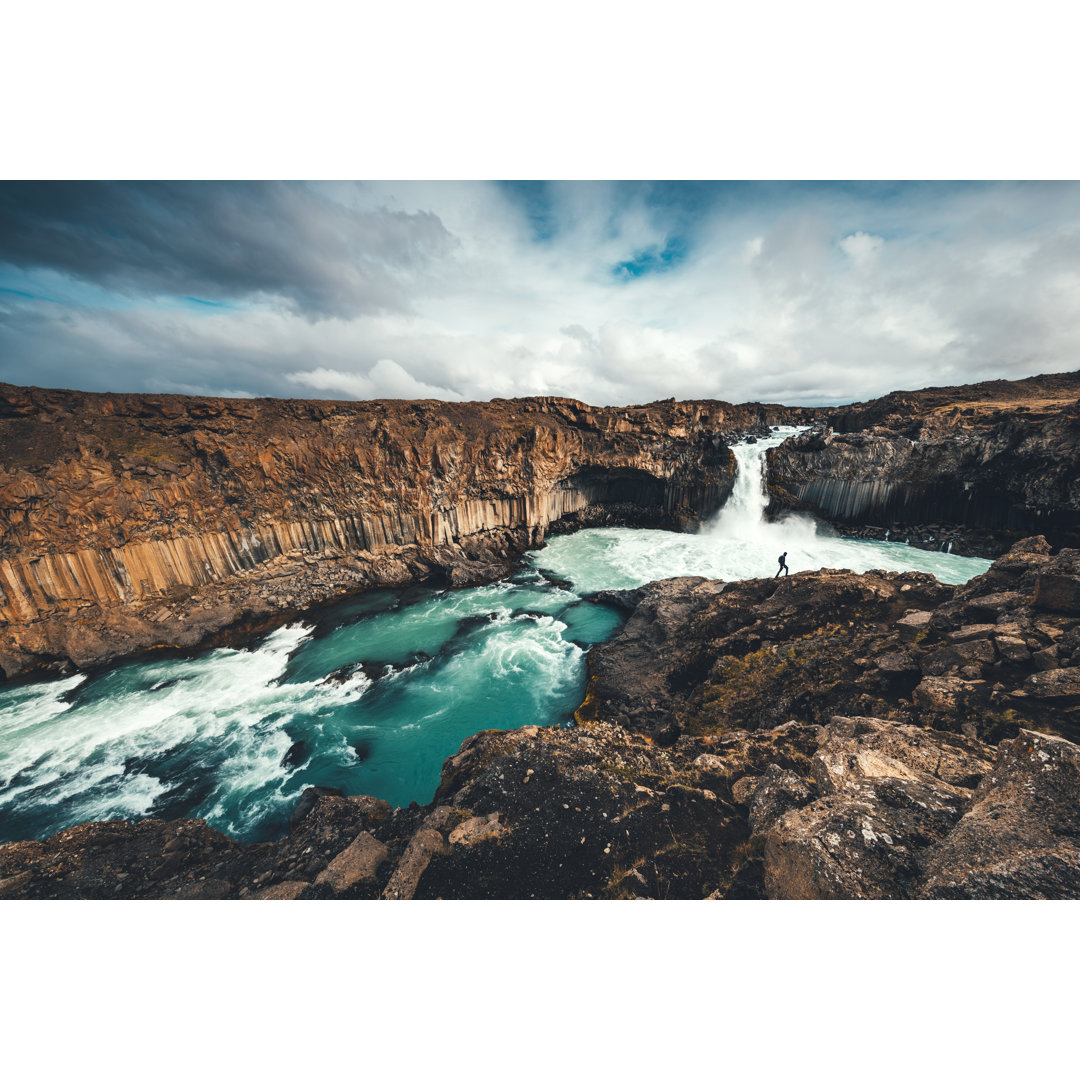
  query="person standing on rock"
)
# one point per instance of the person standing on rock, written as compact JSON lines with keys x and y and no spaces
{"x":783,"y":565}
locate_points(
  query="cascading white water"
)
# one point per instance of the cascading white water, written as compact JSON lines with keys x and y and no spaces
{"x":745,"y":507}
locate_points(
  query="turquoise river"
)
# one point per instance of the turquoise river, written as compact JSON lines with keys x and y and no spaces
{"x":371,"y":695}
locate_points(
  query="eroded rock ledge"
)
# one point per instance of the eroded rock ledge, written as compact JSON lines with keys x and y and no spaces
{"x":828,"y":735}
{"x":133,"y":520}
{"x":976,"y":466}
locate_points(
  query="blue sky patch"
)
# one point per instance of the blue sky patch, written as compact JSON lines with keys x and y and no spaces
{"x":653,"y":260}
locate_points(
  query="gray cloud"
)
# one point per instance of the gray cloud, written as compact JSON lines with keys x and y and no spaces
{"x":223,"y":241}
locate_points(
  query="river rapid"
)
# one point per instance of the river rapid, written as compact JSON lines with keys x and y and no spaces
{"x":372,"y":694}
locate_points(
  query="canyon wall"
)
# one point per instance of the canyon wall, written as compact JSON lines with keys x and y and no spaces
{"x":128,"y":520}
{"x":983,"y":465}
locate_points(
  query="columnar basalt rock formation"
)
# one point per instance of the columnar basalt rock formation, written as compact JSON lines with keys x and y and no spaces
{"x":131,"y":520}
{"x":981,"y":465}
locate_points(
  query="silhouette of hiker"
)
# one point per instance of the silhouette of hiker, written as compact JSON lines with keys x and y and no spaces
{"x":783,"y":565}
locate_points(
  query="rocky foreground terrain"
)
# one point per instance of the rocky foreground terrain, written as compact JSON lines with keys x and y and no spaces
{"x":827,"y":735}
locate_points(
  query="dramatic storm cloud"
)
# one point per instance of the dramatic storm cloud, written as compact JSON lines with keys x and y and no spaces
{"x":221,"y":241}
{"x":614,"y":293}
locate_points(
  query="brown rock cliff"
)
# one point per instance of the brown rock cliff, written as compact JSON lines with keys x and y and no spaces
{"x":130,"y":520}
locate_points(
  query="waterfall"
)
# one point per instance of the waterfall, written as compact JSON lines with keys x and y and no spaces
{"x":948,"y":550}
{"x":745,"y":506}
{"x":741,"y":520}
{"x":744,"y":511}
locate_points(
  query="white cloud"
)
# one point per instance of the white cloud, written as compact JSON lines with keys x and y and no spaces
{"x":815,"y":296}
{"x":385,"y":380}
{"x":862,"y":248}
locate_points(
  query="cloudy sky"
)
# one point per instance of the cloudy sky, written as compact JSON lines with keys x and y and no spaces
{"x":610,"y":292}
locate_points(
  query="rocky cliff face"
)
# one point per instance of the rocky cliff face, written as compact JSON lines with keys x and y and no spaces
{"x":134,"y":520}
{"x":827,"y":735}
{"x":982,"y":465}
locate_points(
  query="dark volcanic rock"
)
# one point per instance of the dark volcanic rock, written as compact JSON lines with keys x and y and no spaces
{"x":309,"y":797}
{"x":1020,"y":839}
{"x":1058,"y":592}
{"x":295,"y":754}
{"x":358,"y":863}
{"x":772,"y":795}
{"x":759,"y":653}
{"x":887,"y":792}
{"x":982,"y":465}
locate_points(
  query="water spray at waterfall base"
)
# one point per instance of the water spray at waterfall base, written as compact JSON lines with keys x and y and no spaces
{"x":736,"y":544}
{"x":741,"y":525}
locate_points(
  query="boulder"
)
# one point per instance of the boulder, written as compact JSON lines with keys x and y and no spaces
{"x":1020,"y":839}
{"x":986,"y":608}
{"x":888,"y":791}
{"x":1013,"y":649}
{"x":1047,"y":658}
{"x":295,"y":754}
{"x":913,"y":624}
{"x":477,"y":830}
{"x":897,"y":663}
{"x":1058,"y":592}
{"x":844,"y":848}
{"x":962,"y":654}
{"x":406,"y":876}
{"x":709,"y":763}
{"x":859,"y":748}
{"x":359,"y":862}
{"x":775,"y":793}
{"x":944,"y":694}
{"x":1055,"y":683}
{"x":1037,"y":545}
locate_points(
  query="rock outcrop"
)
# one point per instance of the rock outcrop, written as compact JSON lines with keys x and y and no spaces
{"x":129,"y":520}
{"x":980,"y":466}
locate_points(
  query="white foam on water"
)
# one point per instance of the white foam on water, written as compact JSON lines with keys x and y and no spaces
{"x":735,"y":545}
{"x":534,"y":649}
{"x":34,"y":703}
{"x":228,"y":701}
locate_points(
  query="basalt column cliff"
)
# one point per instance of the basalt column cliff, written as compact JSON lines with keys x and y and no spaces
{"x":128,"y":521}
{"x":982,"y":465}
